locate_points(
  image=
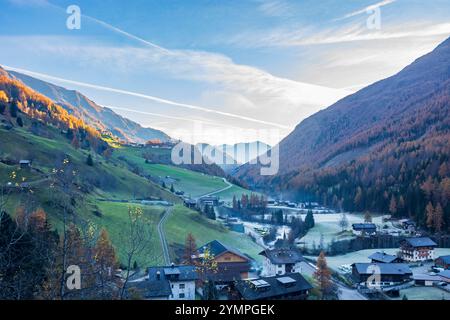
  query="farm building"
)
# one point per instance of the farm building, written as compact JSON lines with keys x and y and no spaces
{"x":209,"y":200}
{"x":25,"y":164}
{"x":190,"y":203}
{"x":417,"y":249}
{"x":389,"y":273}
{"x":360,"y":229}
{"x":287,"y":287}
{"x":381,"y":257}
{"x":426,"y":280}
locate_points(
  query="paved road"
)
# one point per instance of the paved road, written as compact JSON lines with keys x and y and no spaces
{"x":162,"y":236}
{"x":229,"y":185}
{"x":345,"y":293}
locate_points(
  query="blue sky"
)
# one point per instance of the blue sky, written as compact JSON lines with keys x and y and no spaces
{"x":219,"y":71}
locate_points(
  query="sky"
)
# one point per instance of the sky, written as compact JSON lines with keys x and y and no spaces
{"x":219,"y":71}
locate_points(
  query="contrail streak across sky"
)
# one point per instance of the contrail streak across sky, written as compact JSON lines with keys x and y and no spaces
{"x":148,"y":97}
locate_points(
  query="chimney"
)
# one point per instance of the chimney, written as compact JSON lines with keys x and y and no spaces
{"x":158,"y":275}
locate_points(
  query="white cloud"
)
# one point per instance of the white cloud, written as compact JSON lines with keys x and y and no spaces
{"x":278,"y":101}
{"x":300,"y":36}
{"x":368,"y":9}
{"x":148,"y":97}
{"x":275,"y":8}
{"x":354,"y":65}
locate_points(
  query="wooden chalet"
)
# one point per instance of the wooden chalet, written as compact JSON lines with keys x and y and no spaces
{"x":232,"y":265}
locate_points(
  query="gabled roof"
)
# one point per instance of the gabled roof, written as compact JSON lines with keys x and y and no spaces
{"x":183,"y":273}
{"x":384,"y":268}
{"x":217,"y":248}
{"x":364,"y":226}
{"x":383,"y":257}
{"x":151,"y":288}
{"x":421,"y":242}
{"x":229,"y":271}
{"x":159,"y":287}
{"x":444,"y":274}
{"x":283,"y":255}
{"x":426,"y":277}
{"x":446,"y":259}
{"x":272,"y":287}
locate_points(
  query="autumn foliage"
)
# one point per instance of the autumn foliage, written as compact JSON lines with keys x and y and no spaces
{"x":21,"y":98}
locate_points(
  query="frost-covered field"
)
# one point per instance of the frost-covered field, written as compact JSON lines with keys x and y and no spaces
{"x":424,"y":293}
{"x":328,"y":226}
{"x":363,"y":256}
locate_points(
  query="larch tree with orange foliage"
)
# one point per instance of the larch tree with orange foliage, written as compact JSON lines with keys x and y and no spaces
{"x":438,"y":218}
{"x":105,"y":260}
{"x":323,"y":276}
{"x":190,"y":249}
{"x":3,"y":97}
{"x":430,"y":215}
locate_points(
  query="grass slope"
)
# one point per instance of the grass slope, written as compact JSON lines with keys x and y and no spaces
{"x":107,"y":180}
{"x":111,"y":180}
{"x":115,"y":218}
{"x":192,"y":183}
{"x":183,"y":221}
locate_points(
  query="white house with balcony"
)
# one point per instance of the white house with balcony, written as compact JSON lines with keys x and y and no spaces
{"x":417,"y":249}
{"x":280,"y":261}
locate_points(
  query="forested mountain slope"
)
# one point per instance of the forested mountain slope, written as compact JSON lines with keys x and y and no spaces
{"x":384,"y":148}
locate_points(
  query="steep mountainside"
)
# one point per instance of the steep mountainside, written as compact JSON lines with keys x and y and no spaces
{"x":378,"y":149}
{"x":352,"y":120}
{"x":84,"y":108}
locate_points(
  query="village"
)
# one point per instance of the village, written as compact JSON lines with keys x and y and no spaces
{"x":411,"y":265}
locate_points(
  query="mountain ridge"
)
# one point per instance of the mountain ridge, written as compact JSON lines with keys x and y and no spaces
{"x":383,"y":149}
{"x":102,"y":118}
{"x":357,"y":113}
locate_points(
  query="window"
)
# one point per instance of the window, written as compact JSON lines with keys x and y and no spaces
{"x":181,"y":296}
{"x":182,"y":285}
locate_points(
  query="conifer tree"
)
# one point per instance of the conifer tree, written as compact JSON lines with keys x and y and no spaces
{"x":190,"y":249}
{"x":323,"y":275}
